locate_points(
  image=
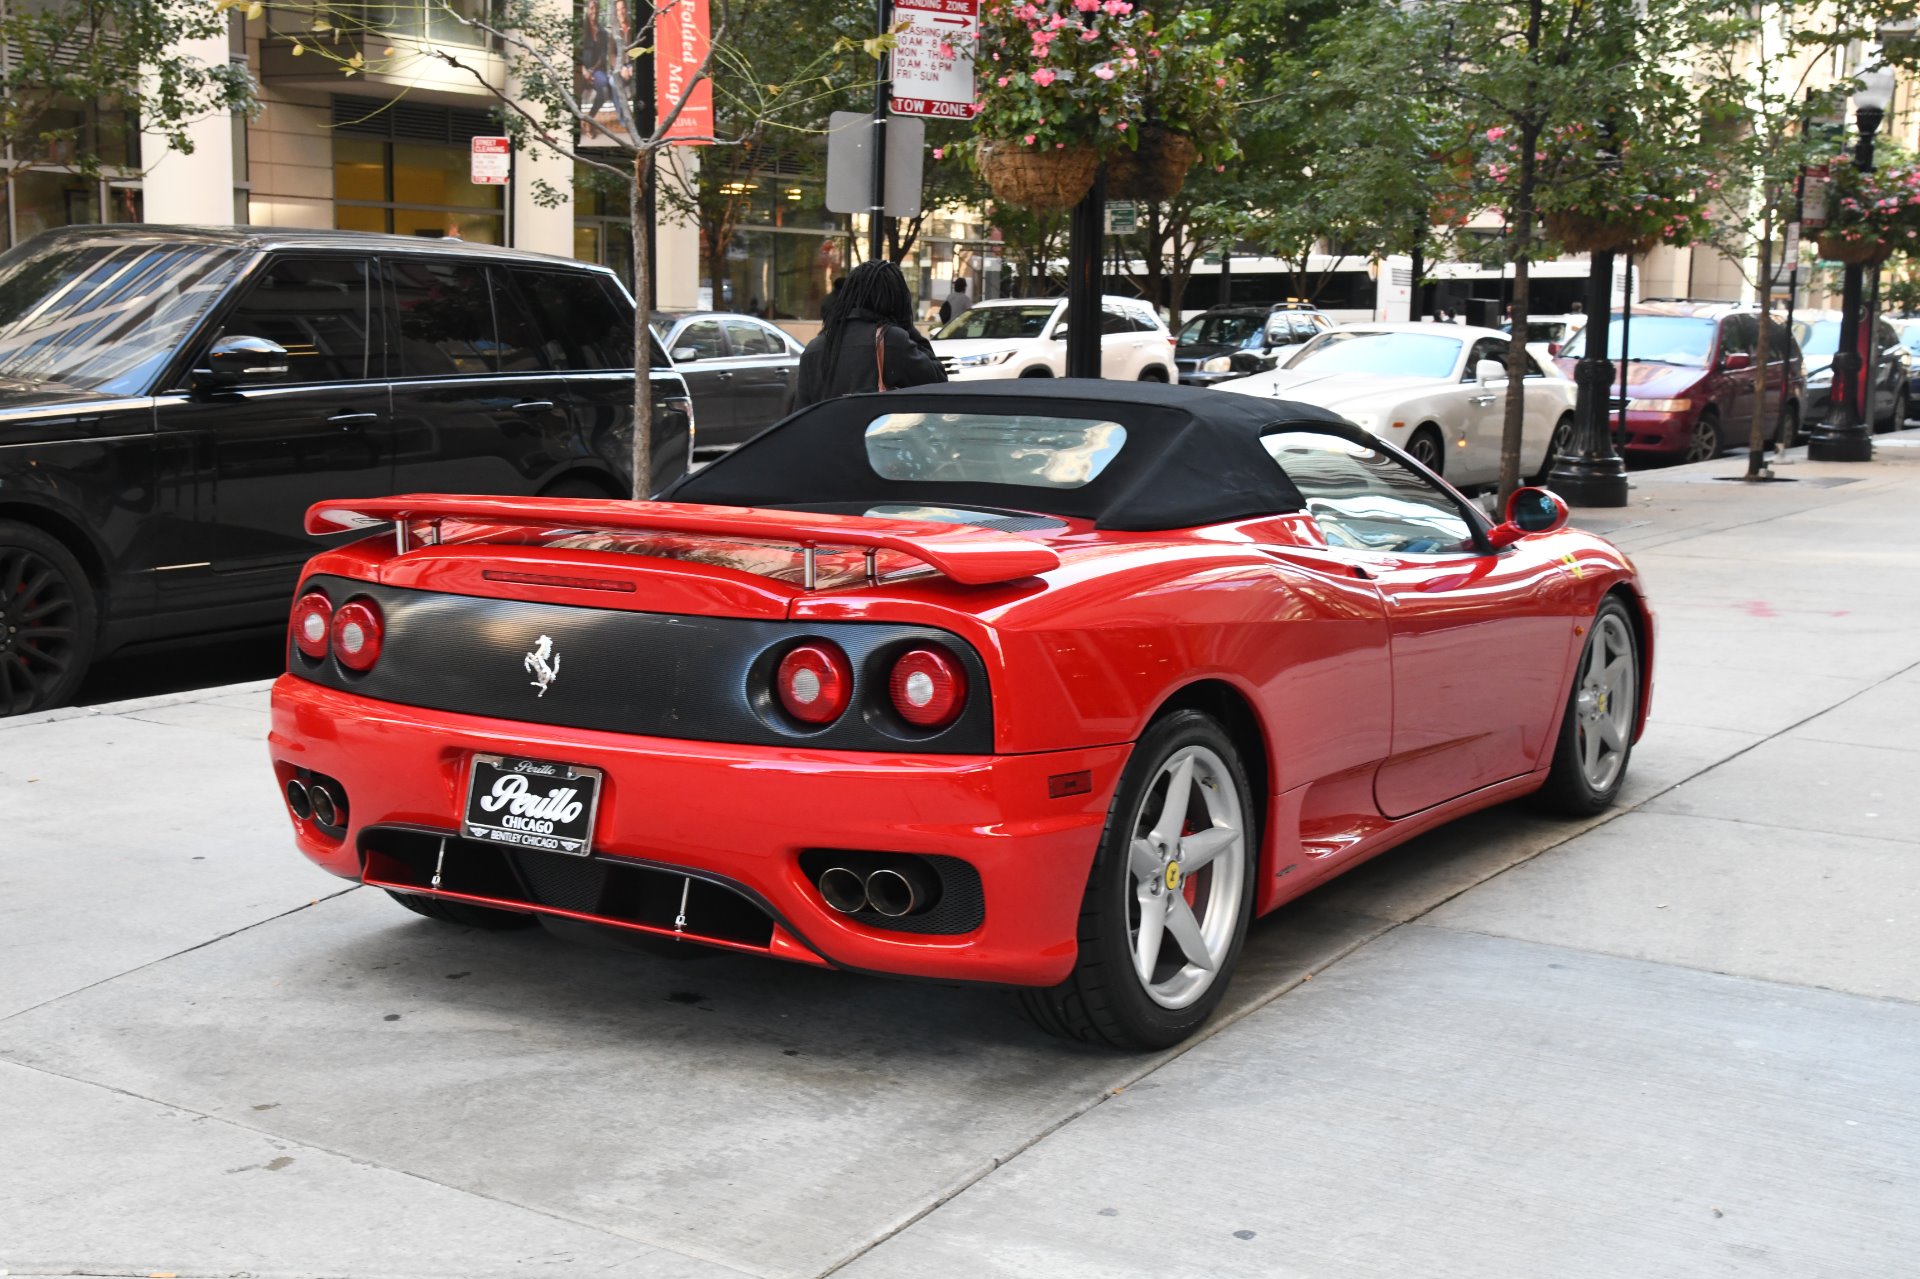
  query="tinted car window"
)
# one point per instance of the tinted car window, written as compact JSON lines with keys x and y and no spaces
{"x":999,"y":322}
{"x":525,"y":347}
{"x":321,"y":310}
{"x":1223,"y":329}
{"x":1738,"y":335}
{"x":702,"y":337}
{"x":1368,"y":500}
{"x":446,"y":318}
{"x":1113,"y":320}
{"x":752,"y":339}
{"x":103,"y":317}
{"x":1485,"y":349}
{"x":582,"y":315}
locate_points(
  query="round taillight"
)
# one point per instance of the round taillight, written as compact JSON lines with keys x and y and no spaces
{"x":814,"y":682}
{"x":357,"y":635}
{"x":928,"y":688}
{"x":312,"y":624}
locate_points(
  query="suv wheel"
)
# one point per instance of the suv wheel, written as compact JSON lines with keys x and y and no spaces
{"x":1425,"y":449}
{"x":46,"y":620}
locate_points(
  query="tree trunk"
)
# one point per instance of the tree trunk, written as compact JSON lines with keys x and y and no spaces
{"x":1516,"y":398}
{"x":642,"y":337}
{"x":1762,"y":429}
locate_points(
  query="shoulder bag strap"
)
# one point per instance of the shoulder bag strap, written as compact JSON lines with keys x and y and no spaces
{"x":880,"y":356}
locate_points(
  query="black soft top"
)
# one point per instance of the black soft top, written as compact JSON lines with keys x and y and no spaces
{"x":1193,"y":456}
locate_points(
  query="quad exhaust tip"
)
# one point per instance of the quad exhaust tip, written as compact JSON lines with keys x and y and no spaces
{"x":299,"y":800}
{"x":325,"y":810}
{"x":903,"y":889}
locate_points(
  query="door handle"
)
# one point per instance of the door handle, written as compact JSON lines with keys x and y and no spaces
{"x":347,"y":420}
{"x":727,"y":376}
{"x":533,"y":406}
{"x":1480,"y":400}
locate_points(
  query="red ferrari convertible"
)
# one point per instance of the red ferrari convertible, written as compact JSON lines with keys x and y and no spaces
{"x":1054,"y":685}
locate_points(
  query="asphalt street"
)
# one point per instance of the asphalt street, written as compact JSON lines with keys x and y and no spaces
{"x":1677,"y":1040}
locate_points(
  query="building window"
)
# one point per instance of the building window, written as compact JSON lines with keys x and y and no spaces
{"x":413,"y":188}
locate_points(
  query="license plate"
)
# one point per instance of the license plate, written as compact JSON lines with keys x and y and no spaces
{"x":532,"y":803}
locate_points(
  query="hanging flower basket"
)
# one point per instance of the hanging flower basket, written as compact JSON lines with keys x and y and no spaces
{"x":1581,"y":233}
{"x":1864,"y":250}
{"x":1034,"y":177}
{"x":1156,"y":170}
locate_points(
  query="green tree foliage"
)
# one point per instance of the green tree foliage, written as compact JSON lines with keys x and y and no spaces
{"x":83,"y":77}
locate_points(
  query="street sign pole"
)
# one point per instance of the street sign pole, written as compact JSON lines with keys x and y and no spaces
{"x":882,"y":94}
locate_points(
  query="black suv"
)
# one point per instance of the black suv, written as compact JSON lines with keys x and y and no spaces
{"x":173,"y":399}
{"x":1226,"y":342}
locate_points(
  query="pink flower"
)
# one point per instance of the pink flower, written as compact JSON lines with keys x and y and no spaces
{"x":1117,"y":8}
{"x":1002,"y":82}
{"x":1219,"y":82}
{"x":1086,"y":6}
{"x":1029,"y":139}
{"x":1122,"y":126}
{"x":1058,"y":21}
{"x":1104,"y":71}
{"x":1059,"y":146}
{"x":1496,"y":133}
{"x":939,"y":153}
{"x":1044,"y":77}
{"x":946,"y":50}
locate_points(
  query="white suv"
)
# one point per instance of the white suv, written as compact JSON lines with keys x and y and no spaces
{"x":1008,"y":338}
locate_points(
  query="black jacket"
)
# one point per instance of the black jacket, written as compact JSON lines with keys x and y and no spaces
{"x":910,"y":361}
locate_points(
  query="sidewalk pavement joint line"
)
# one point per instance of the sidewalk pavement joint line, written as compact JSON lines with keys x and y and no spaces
{"x":185,"y":950}
{"x":59,"y":713}
{"x":1803,"y":830}
{"x":1679,"y":964}
{"x":1154,"y":1064}
{"x":363,"y":1162}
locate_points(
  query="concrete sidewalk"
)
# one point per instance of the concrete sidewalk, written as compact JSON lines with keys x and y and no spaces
{"x":1678,"y":1040}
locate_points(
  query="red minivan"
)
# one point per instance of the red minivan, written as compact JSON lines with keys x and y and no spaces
{"x":1690,"y":379}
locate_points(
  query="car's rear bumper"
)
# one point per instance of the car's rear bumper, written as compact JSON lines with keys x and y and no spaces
{"x":738,"y":816}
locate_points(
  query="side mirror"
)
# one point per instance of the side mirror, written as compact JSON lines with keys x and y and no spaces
{"x":1529,"y":510}
{"x":237,"y":359}
{"x":1737,"y":361}
{"x":685,"y":354}
{"x":1060,"y":334}
{"x":1487,"y":371}
{"x":1276,"y":337}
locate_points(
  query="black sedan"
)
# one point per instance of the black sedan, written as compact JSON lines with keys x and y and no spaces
{"x":741,"y":369}
{"x":1820,"y":341}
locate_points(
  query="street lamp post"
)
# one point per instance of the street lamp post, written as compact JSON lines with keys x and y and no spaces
{"x":1846,"y":437}
{"x":1587,"y":472}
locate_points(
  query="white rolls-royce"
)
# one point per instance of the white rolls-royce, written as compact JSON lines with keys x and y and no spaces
{"x":1439,"y":391}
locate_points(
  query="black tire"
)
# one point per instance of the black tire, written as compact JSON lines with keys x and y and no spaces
{"x":1557,"y":443}
{"x":1425,"y":448}
{"x":1705,"y":443}
{"x":1103,"y":1000}
{"x":1040,"y":372}
{"x":464,"y":913}
{"x":1153,"y":373}
{"x":1896,"y":413}
{"x":575,"y":486}
{"x":48,"y":621}
{"x":1568,"y":792}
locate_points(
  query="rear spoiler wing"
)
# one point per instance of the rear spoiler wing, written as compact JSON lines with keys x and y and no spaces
{"x":963,"y":552}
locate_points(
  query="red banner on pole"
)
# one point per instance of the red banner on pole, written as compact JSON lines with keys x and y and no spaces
{"x":682,"y":34}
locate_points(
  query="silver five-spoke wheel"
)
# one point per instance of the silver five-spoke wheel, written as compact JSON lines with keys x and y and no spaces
{"x":1189,"y":871}
{"x":1604,"y":701}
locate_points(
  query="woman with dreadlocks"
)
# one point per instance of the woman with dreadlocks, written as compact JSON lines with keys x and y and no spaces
{"x":868,"y":341}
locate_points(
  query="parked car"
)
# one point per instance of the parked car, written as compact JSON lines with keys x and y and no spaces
{"x":172,"y":400}
{"x":976,"y":682}
{"x":1011,"y":339}
{"x":1547,"y":334}
{"x":1689,"y":381}
{"x":742,"y":371}
{"x":1436,"y":390}
{"x":1819,"y":335}
{"x":1227,"y":342}
{"x":1909,"y":331}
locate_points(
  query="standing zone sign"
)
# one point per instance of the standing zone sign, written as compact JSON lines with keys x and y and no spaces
{"x":933,"y":58}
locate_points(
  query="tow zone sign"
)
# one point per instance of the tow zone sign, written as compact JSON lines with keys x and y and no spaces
{"x":933,"y":58}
